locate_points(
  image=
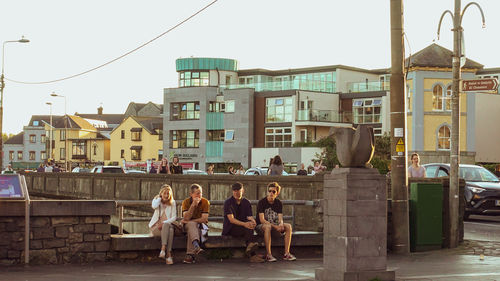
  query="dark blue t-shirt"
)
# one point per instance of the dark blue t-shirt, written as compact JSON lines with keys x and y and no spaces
{"x":240,"y":212}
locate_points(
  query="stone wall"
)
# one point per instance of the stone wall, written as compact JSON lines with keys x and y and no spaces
{"x":146,"y":186}
{"x":60,"y":231}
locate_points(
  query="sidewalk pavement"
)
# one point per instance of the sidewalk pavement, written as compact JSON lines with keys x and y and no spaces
{"x":458,"y":264}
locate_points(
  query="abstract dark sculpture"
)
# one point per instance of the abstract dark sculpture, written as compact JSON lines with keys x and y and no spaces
{"x":355,"y":147}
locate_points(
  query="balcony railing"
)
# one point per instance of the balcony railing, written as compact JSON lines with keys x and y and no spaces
{"x":333,"y":116}
{"x":353,"y":87}
{"x":306,"y":85}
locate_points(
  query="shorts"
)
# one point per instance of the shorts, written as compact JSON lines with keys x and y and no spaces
{"x":274,"y":232}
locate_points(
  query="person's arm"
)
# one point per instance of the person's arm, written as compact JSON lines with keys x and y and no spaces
{"x":203,"y":219}
{"x":187,"y":214}
{"x":158,"y":170}
{"x":156,"y":202}
{"x":262,"y":219}
{"x":172,"y":216}
{"x":280,"y":226}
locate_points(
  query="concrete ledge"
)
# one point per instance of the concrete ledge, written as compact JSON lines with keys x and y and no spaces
{"x":39,"y":208}
{"x":137,"y":242}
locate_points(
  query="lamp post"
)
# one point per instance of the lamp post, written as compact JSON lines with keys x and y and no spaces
{"x":2,"y":85}
{"x":65,"y":130}
{"x":50,"y":134}
{"x":457,"y":63}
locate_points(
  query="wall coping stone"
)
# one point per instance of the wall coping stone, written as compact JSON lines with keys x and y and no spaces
{"x":41,"y":208}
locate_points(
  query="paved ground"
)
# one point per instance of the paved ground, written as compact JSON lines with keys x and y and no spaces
{"x":442,"y":265}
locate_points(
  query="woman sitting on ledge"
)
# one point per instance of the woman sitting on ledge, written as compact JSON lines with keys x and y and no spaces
{"x":162,"y":222}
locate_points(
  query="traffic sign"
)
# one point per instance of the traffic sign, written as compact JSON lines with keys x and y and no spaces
{"x":488,"y":84}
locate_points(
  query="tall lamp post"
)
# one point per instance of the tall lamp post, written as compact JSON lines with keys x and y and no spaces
{"x":50,"y":134}
{"x":65,"y":130}
{"x":457,"y":62}
{"x":2,"y":85}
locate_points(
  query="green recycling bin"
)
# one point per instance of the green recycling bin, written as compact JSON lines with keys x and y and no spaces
{"x":426,"y":216}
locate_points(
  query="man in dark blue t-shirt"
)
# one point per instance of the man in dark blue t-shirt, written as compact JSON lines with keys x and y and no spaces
{"x":239,"y":222}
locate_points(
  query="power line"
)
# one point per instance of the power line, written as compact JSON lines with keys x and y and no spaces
{"x":122,"y":56}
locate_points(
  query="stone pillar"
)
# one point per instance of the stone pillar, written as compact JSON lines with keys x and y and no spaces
{"x":355,"y":226}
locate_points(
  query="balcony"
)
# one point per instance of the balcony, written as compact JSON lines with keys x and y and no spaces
{"x":331,"y":116}
{"x":79,"y":157}
{"x":306,"y":85}
{"x":374,"y":86}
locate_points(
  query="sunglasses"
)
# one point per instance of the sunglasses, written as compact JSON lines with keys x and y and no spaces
{"x":272,"y":191}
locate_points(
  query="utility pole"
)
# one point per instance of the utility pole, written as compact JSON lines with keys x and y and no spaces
{"x":457,"y":63}
{"x":455,"y":127}
{"x":399,"y":180}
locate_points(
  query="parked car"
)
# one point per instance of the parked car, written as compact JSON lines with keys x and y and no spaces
{"x":482,"y":188}
{"x":80,"y":170}
{"x":194,"y":172}
{"x":108,"y":170}
{"x":131,"y":171}
{"x":259,"y":171}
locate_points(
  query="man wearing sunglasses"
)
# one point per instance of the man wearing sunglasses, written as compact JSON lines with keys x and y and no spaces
{"x":270,"y":222}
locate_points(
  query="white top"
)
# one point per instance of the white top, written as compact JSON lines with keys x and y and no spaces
{"x":170,"y":211}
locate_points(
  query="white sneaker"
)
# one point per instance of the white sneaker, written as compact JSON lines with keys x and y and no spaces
{"x":162,"y":254}
{"x":170,"y":260}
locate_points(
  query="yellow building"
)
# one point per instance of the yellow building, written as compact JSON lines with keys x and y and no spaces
{"x":136,"y":140}
{"x":76,"y":142}
{"x":429,"y":83}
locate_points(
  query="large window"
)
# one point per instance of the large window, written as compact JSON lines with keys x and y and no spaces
{"x":135,"y":135}
{"x":43,"y":139}
{"x":19,"y":155}
{"x":32,"y":138}
{"x":62,"y":135}
{"x":444,"y":137}
{"x":79,"y":149}
{"x":194,"y":79}
{"x":441,"y":100}
{"x":136,"y":154}
{"x":215,"y":135}
{"x":62,"y":153}
{"x":43,"y":155}
{"x":216,"y":106}
{"x":366,"y":110}
{"x":229,"y":106}
{"x":184,"y":139}
{"x":279,"y":137}
{"x":185,"y":111}
{"x":279,"y":109}
{"x":32,"y":155}
{"x":11,"y":155}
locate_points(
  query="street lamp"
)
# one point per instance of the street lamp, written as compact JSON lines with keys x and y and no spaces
{"x":50,"y":134}
{"x":65,"y":130}
{"x":2,"y":85}
{"x":457,"y":63}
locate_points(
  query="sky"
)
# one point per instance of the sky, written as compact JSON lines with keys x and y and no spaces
{"x":69,"y":37}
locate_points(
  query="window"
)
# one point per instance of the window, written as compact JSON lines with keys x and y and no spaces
{"x":229,"y":136}
{"x":136,"y":154}
{"x":185,"y":111}
{"x":279,"y":137}
{"x":367,"y":110}
{"x":43,"y":139}
{"x":279,"y":109}
{"x":123,"y":134}
{"x":184,"y":139}
{"x":229,"y":106}
{"x":62,"y":135}
{"x":430,"y":171}
{"x":122,"y":153}
{"x":194,"y":79}
{"x":11,"y":155}
{"x":95,"y":148}
{"x":43,"y":155}
{"x":441,"y":100}
{"x":216,"y":107}
{"x":62,"y":153}
{"x":32,"y":155}
{"x":32,"y":138}
{"x":444,"y":137}
{"x":215,"y":135}
{"x":135,"y":136}
{"x":79,"y":149}
{"x":19,"y":155}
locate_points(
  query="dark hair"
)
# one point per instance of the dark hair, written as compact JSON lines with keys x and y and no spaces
{"x":275,"y":185}
{"x":230,"y":168}
{"x":195,"y":186}
{"x":277,"y":160}
{"x":237,"y":186}
{"x":271,"y":160}
{"x":413,"y":154}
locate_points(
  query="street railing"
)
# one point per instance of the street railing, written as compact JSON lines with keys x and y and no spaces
{"x":121,"y":204}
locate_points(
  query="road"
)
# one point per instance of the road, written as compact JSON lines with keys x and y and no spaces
{"x":482,"y":228}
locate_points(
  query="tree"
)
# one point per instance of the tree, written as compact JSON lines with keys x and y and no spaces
{"x":6,"y":136}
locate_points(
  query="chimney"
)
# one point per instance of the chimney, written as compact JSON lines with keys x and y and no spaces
{"x":99,"y":110}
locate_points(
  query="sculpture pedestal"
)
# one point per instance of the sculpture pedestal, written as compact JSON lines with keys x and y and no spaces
{"x":355,"y":226}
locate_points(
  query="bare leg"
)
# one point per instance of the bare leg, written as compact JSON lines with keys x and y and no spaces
{"x":267,"y":237}
{"x":288,"y":237}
